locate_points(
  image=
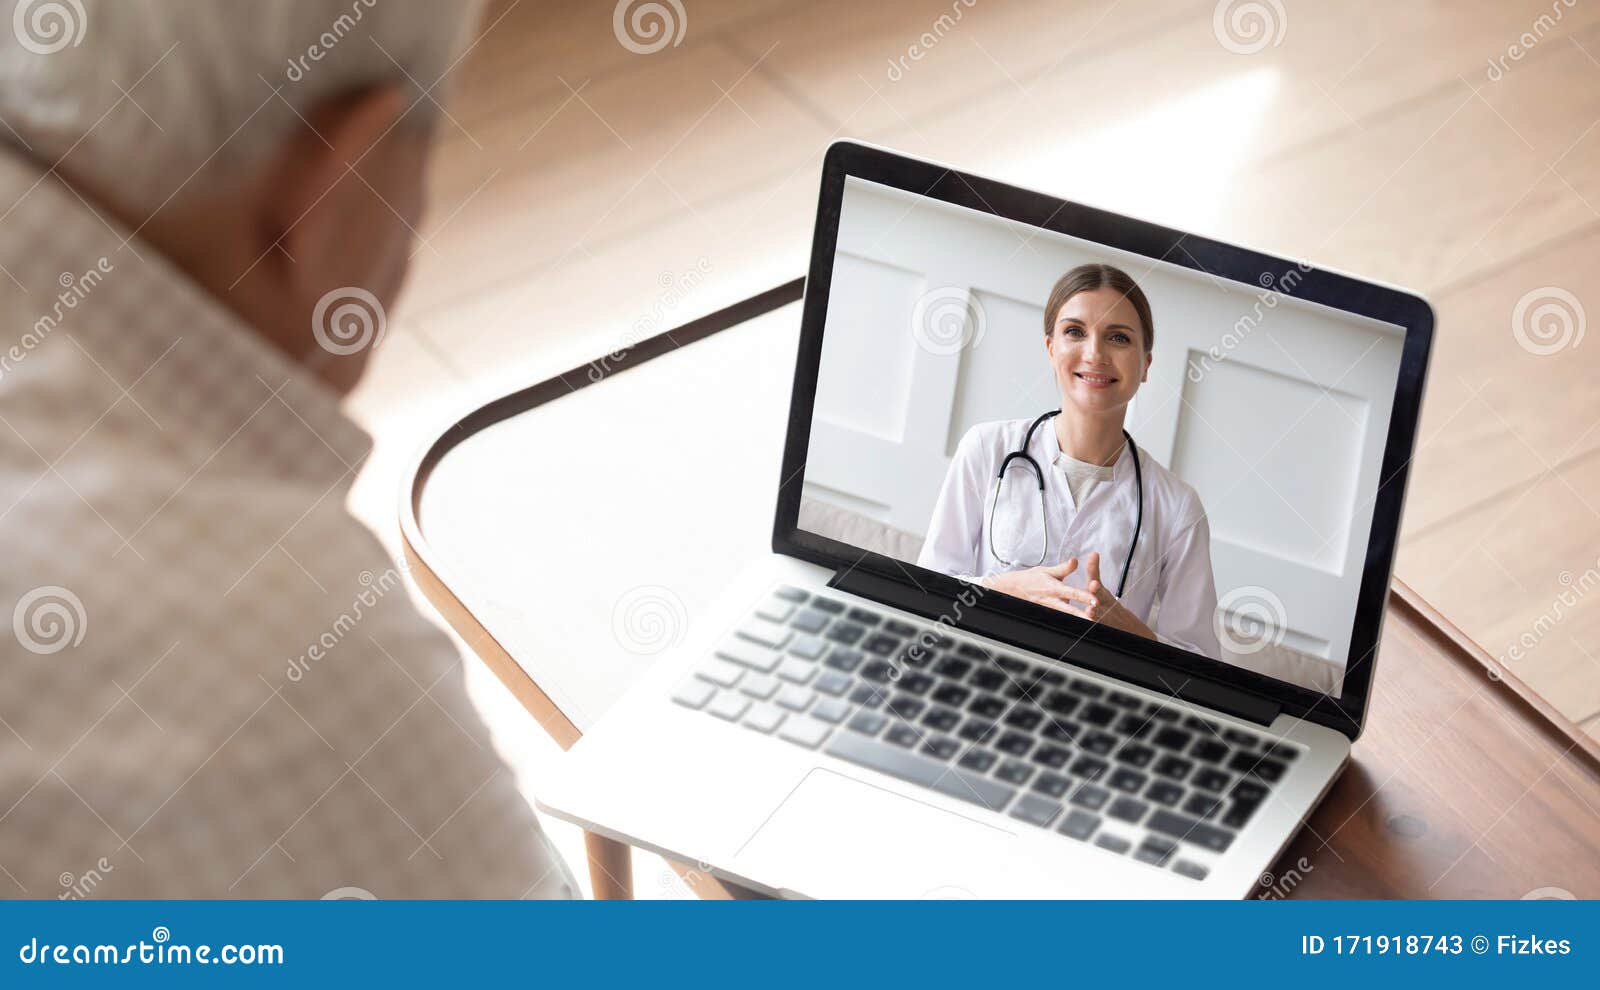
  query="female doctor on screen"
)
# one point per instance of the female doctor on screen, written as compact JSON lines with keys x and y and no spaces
{"x":1062,"y":508}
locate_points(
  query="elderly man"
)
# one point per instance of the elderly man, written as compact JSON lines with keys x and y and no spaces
{"x":214,"y":684}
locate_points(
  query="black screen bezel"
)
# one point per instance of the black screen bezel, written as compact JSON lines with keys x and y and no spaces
{"x":1345,"y":713}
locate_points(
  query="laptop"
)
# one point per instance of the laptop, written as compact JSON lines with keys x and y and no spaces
{"x":883,"y":708}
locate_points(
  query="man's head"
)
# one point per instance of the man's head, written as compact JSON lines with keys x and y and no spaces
{"x":276,"y":150}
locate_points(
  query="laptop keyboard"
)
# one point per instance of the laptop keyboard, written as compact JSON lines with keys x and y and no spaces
{"x":1019,"y":737}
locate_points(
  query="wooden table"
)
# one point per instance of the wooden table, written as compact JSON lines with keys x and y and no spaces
{"x":574,"y":530}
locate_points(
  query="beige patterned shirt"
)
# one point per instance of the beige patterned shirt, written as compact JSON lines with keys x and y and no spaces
{"x":213,"y":684}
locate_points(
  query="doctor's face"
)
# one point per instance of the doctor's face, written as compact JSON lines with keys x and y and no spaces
{"x":1096,"y":347}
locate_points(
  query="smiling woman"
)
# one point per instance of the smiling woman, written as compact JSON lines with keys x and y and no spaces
{"x":1033,"y":507}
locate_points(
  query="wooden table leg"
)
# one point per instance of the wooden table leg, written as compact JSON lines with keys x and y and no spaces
{"x":610,"y":867}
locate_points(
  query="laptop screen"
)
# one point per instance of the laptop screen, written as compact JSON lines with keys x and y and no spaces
{"x":1189,"y":458}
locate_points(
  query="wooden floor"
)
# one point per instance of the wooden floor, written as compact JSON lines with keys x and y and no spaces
{"x":580,"y":184}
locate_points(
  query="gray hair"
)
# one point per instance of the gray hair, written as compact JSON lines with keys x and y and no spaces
{"x":152,"y":96}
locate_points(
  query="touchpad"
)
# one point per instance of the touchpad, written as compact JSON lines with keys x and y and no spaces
{"x":838,"y":837}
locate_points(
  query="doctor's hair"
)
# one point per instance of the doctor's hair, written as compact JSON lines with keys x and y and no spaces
{"x":1085,"y":278}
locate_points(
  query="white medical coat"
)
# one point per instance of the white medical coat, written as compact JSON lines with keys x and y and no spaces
{"x":1171,"y":567}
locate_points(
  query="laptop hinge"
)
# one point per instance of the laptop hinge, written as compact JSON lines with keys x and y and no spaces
{"x":964,"y":613}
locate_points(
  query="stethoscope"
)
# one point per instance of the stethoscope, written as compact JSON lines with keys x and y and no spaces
{"x":1021,"y":454}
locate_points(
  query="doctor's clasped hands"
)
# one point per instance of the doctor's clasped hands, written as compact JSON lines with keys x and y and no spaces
{"x":1048,"y":586}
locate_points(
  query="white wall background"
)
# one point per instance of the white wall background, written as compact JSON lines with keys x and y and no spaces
{"x":935,"y":324}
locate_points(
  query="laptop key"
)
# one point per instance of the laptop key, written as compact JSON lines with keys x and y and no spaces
{"x":978,"y":760}
{"x":1088,"y":689}
{"x":776,"y":609}
{"x":1052,"y":756}
{"x":1154,"y":850}
{"x":919,"y":770}
{"x":916,"y":682}
{"x":1210,"y":779}
{"x":763,"y":717}
{"x":1202,"y":805}
{"x":987,"y":706}
{"x":867,"y":696}
{"x":987,"y":679}
{"x":830,"y":605}
{"x":1014,"y":772}
{"x":1015,"y":743}
{"x":880,"y":644}
{"x":830,"y":710}
{"x":789,"y":592}
{"x":904,"y":706}
{"x":1173,"y":767}
{"x":846,"y":632}
{"x":1099,"y":743}
{"x":1136,"y":755}
{"x":796,"y":671}
{"x":868,"y":723}
{"x":863,"y":616}
{"x":1171,"y":738}
{"x":1036,"y":810}
{"x":977,"y":730}
{"x":1194,"y":871}
{"x":1078,"y":825}
{"x":1238,"y":738}
{"x":899,"y":628}
{"x":1061,"y":730}
{"x":832,"y":682}
{"x":1165,"y":793}
{"x":719,"y":672}
{"x":953,"y":668}
{"x":941,"y":747}
{"x":844,"y":659}
{"x":807,"y":732}
{"x":809,"y":621}
{"x":759,"y":686}
{"x":942,"y":719}
{"x":727,"y":705}
{"x":877,"y":671}
{"x":765,"y":632}
{"x":1089,"y":768}
{"x":1113,"y":843}
{"x":1127,"y":780}
{"x":750,"y":655}
{"x":794,"y":697}
{"x":1052,"y":784}
{"x":903,"y":735}
{"x":1127,"y":809}
{"x":953,"y":695}
{"x":807,"y":647}
{"x":1024,"y":717}
{"x":1091,"y":797}
{"x":694,"y":693}
{"x":1186,"y":829}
